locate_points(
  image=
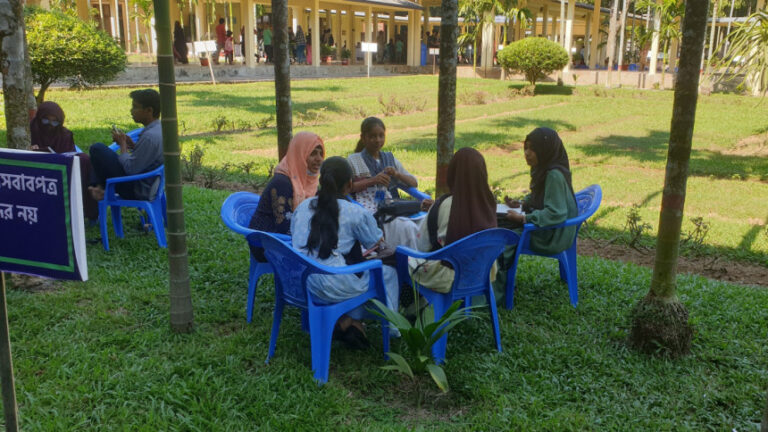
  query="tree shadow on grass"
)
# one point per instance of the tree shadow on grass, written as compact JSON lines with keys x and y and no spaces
{"x":525,"y":123}
{"x":605,"y":211}
{"x":653,"y":147}
{"x":546,"y":89}
{"x":749,"y":238}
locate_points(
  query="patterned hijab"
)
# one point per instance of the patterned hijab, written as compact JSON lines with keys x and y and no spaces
{"x":551,"y":154}
{"x":473,"y":208}
{"x":294,"y":166}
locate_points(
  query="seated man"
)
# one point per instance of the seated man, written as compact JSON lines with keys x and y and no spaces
{"x":135,"y":158}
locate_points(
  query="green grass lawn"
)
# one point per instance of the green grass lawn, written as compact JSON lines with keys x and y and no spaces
{"x":100,"y":356}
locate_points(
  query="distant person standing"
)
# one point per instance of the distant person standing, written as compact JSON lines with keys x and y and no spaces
{"x":179,"y":44}
{"x":229,"y":48}
{"x":301,"y":46}
{"x":242,"y":43}
{"x":221,"y":38}
{"x":267,"y":35}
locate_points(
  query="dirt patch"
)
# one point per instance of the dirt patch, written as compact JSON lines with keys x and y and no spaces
{"x":265,"y":152}
{"x":32,"y":284}
{"x":714,"y":268}
{"x":755,"y":145}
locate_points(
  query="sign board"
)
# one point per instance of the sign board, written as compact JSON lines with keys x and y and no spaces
{"x":205,"y":46}
{"x":41,"y":215}
{"x":369,"y":46}
{"x":434,"y":51}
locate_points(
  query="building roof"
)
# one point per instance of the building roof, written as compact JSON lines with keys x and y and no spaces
{"x":397,"y":4}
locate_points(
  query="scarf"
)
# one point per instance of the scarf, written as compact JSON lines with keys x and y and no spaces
{"x":551,"y":154}
{"x":58,"y":138}
{"x":294,"y":166}
{"x":387,"y":159}
{"x":473,"y":208}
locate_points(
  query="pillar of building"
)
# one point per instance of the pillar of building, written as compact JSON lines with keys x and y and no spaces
{"x":337,"y":34}
{"x":425,"y":26}
{"x":368,"y":34}
{"x":351,"y":35}
{"x":315,"y":17}
{"x":295,"y":18}
{"x":488,"y":41}
{"x":595,"y":32}
{"x":655,"y":43}
{"x":545,"y":23}
{"x":587,"y":28}
{"x":83,"y":9}
{"x":417,"y":31}
{"x":126,"y":26}
{"x":248,"y":18}
{"x":569,"y":15}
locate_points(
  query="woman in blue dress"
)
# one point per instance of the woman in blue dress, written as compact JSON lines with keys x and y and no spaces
{"x":332,"y":230}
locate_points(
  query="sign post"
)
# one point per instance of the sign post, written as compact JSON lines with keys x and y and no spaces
{"x":6,"y":366}
{"x":434,"y":52}
{"x":369,"y":47}
{"x":42,"y":232}
{"x":207,"y":47}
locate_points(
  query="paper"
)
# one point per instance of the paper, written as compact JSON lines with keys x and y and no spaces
{"x":503,"y":209}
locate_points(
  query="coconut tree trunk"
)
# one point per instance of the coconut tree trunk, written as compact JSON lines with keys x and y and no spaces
{"x":622,"y":34}
{"x":446,"y":93}
{"x":280,"y":43}
{"x":182,"y":318}
{"x":660,"y":320}
{"x":16,"y":79}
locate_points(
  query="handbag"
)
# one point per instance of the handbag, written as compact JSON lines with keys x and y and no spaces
{"x":387,"y":211}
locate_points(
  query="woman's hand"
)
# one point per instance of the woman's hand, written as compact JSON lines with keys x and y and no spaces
{"x":512,"y":203}
{"x":381,"y":179}
{"x":515,"y":217}
{"x":427,"y":204}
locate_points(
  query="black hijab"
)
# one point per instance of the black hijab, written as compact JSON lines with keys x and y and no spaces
{"x":551,"y":154}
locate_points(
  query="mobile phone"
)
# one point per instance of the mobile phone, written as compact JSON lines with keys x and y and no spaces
{"x":115,"y":129}
{"x":371,"y":250}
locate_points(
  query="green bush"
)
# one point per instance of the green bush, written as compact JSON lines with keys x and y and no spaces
{"x":64,"y":48}
{"x":534,"y":57}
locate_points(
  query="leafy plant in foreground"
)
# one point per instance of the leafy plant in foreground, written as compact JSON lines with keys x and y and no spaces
{"x":419,"y":338}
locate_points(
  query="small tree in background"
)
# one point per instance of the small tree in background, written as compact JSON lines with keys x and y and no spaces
{"x":63,"y":47}
{"x":534,"y":57}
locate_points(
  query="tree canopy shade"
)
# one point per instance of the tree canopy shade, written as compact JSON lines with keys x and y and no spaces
{"x":533,"y":57}
{"x":63,"y":47}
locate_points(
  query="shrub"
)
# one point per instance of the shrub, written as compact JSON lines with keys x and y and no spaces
{"x":64,"y":48}
{"x":534,"y":57}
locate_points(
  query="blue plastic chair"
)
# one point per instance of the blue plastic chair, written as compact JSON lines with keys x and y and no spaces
{"x":472,"y":258}
{"x":588,"y":201}
{"x":155,"y":208}
{"x":236,"y":212}
{"x":291,"y":271}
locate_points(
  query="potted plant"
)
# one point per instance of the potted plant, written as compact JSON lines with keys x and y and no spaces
{"x":326,"y":52}
{"x":345,"y":55}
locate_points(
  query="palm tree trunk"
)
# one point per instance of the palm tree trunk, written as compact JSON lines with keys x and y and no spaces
{"x":182,"y":318}
{"x":660,"y":320}
{"x":16,"y":84}
{"x":446,"y":94}
{"x":664,"y":61}
{"x":282,"y":60}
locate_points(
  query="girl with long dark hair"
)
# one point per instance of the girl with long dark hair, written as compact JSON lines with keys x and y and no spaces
{"x":331,"y":230}
{"x":376,"y":172}
{"x":469,"y":208}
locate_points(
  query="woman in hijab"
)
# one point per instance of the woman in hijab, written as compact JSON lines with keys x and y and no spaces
{"x":48,"y":134}
{"x":180,"y":43}
{"x":550,"y":202}
{"x":468,"y":208}
{"x":295,"y":179}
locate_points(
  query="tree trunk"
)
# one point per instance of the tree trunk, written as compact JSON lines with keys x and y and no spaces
{"x":622,"y":34}
{"x":182,"y":318}
{"x":660,"y":321}
{"x":16,"y":83}
{"x":446,"y":94}
{"x":280,"y":44}
{"x":611,"y":48}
